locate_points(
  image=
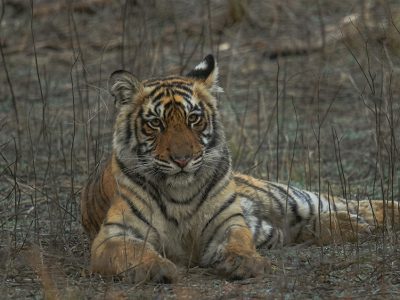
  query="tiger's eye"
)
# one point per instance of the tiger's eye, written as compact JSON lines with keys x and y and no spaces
{"x":155,"y":123}
{"x":193,"y":118}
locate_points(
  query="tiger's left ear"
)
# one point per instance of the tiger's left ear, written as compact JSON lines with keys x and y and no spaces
{"x":207,"y":73}
{"x":123,"y":86}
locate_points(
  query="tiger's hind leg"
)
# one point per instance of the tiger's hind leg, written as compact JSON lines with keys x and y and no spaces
{"x":125,"y":248}
{"x":344,"y":226}
{"x":334,"y":227}
{"x":378,"y":213}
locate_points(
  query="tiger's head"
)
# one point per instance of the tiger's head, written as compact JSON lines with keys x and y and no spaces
{"x":168,"y":127}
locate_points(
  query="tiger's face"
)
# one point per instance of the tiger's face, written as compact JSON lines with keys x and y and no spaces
{"x":174,"y":126}
{"x":168,"y":126}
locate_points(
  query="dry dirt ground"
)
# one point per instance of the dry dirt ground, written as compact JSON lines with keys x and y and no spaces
{"x":311,"y":96}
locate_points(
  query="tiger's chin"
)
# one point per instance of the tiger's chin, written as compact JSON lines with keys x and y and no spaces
{"x":180,"y":180}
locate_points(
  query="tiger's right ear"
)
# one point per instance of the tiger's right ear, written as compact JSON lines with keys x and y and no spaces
{"x":123,"y":85}
{"x":207,"y":73}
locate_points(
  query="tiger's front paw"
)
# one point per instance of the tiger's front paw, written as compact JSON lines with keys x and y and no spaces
{"x":241,"y":266}
{"x":160,"y":270}
{"x":131,"y":261}
{"x":239,"y":258}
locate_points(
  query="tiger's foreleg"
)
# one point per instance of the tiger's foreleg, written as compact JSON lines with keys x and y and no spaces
{"x":124,"y":247}
{"x":240,"y":258}
{"x":229,"y":247}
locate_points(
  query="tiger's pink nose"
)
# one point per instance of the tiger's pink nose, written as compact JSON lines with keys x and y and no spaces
{"x":181,"y":161}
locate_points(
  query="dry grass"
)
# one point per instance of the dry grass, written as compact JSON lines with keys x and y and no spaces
{"x":325,"y":117}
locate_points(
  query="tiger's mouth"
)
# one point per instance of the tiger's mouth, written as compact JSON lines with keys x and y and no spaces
{"x":182,"y":172}
{"x":172,"y":168}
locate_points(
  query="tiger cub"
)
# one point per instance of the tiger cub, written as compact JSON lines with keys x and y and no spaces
{"x":168,"y":194}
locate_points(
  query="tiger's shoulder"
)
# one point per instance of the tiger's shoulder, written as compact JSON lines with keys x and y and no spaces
{"x":96,"y":196}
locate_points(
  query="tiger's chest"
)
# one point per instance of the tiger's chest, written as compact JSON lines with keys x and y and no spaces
{"x":179,"y":239}
{"x":179,"y":214}
{"x":179,"y":220}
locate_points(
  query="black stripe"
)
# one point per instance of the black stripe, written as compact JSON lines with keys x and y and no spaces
{"x":156,"y":106}
{"x":307,"y":198}
{"x":96,"y":206}
{"x":164,"y":80}
{"x":95,"y":224}
{"x":135,"y":211}
{"x":291,"y":201}
{"x":168,"y":109}
{"x":190,"y":105}
{"x":300,"y":232}
{"x":220,"y":171}
{"x":268,"y":193}
{"x":224,"y":206}
{"x":315,"y":227}
{"x":175,"y":88}
{"x":137,"y":179}
{"x":148,"y":187}
{"x":141,"y":149}
{"x":188,"y":200}
{"x":182,"y":86}
{"x":268,"y":238}
{"x":215,"y":135}
{"x":214,"y":234}
{"x":142,"y":130}
{"x":103,"y":199}
{"x":101,"y":203}
{"x":257,"y":230}
{"x":91,"y":203}
{"x":157,"y":98}
{"x":163,"y":210}
{"x":135,"y":194}
{"x":152,"y":83}
{"x":149,"y":115}
{"x":183,"y":202}
{"x":128,"y":130}
{"x":186,"y":97}
{"x":137,"y":125}
{"x":252,"y":197}
{"x":154,"y":91}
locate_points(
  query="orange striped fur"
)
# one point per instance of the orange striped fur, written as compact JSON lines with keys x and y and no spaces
{"x":168,"y":194}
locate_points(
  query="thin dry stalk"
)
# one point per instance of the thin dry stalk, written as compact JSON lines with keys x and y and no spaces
{"x":34,"y":256}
